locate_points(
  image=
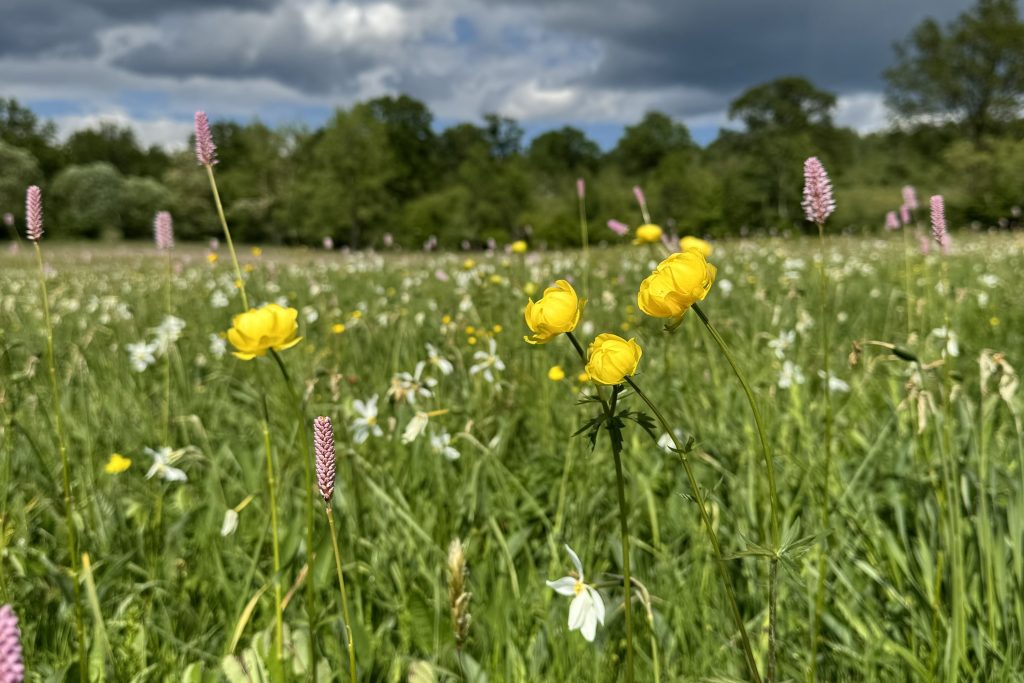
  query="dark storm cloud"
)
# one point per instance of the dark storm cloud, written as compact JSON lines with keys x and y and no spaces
{"x":724,"y":46}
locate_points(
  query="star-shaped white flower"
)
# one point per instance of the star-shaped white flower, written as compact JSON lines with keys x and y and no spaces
{"x":587,"y":608}
{"x":366,"y":424}
{"x":161,"y":467}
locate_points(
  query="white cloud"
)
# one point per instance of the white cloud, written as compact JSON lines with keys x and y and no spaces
{"x":865,"y":112}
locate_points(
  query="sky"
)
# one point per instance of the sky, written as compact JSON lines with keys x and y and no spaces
{"x":594,"y":64}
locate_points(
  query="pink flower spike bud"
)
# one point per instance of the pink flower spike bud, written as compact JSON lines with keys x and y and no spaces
{"x":909,"y":197}
{"x":581,"y":188}
{"x":618,"y":227}
{"x":34,"y":213}
{"x":163,"y":230}
{"x":323,"y":437}
{"x":818,"y":203}
{"x":206,"y":151}
{"x":938,"y":208}
{"x":892,"y":222}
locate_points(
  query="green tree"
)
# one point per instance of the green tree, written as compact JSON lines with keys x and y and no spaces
{"x":414,"y":146}
{"x":116,"y":145}
{"x":564,"y":153}
{"x":87,"y":201}
{"x":644,"y":145}
{"x":20,"y":127}
{"x":18,"y":170}
{"x":141,"y":199}
{"x":972,"y":70}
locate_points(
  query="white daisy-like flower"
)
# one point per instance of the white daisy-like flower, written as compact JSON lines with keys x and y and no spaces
{"x":586,"y":610}
{"x":365,"y":424}
{"x":781,"y":344}
{"x":408,"y":387}
{"x":434,"y":358}
{"x":161,"y":467}
{"x":167,"y":332}
{"x":835,"y":385}
{"x":486,"y":361}
{"x":218,"y":345}
{"x":141,"y":355}
{"x":949,"y":336}
{"x":791,"y":374}
{"x":442,"y":445}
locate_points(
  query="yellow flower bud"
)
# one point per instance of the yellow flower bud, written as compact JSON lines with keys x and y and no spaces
{"x":648,"y":233}
{"x":676,"y":284}
{"x":519,"y":247}
{"x":258,"y":330}
{"x":612,"y":358}
{"x":556,"y":312}
{"x":556,"y":373}
{"x":691,"y":242}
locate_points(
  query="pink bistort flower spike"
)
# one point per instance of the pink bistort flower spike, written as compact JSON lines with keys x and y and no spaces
{"x":909,"y":197}
{"x":206,"y":151}
{"x":892,"y":222}
{"x":938,"y":218}
{"x":905,"y":214}
{"x":323,"y":436}
{"x":12,"y":667}
{"x":581,"y":188}
{"x":163,"y":230}
{"x":34,"y":213}
{"x":818,"y":203}
{"x":618,"y":227}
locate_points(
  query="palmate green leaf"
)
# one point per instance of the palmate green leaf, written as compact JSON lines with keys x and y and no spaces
{"x":592,"y":427}
{"x":645,"y":421}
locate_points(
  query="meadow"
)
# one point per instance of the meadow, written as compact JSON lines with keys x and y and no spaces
{"x":472,"y":438}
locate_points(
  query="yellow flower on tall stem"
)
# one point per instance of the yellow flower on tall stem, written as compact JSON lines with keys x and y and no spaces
{"x":676,"y":284}
{"x":259,"y":330}
{"x":648,"y":233}
{"x":691,"y":242}
{"x":611,"y":359}
{"x":557,"y":312}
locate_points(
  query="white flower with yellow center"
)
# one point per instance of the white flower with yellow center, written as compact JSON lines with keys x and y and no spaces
{"x":587,"y":608}
{"x":366,"y":423}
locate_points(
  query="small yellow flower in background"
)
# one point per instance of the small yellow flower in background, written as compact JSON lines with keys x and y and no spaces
{"x":257,"y":252}
{"x":677,"y":283}
{"x":238,"y":284}
{"x":469,"y":264}
{"x":496,"y":279}
{"x":556,"y":312}
{"x":625,"y":327}
{"x":248,"y":267}
{"x":556,"y":373}
{"x":497,"y":329}
{"x":356,"y":315}
{"x":117,"y":464}
{"x":993,"y":321}
{"x":519,"y":247}
{"x":529,"y":289}
{"x":691,"y":242}
{"x":337,"y":328}
{"x":212,"y":257}
{"x":648,"y":233}
{"x":612,"y":358}
{"x":259,"y":330}
{"x":470,"y":329}
{"x":471,"y":341}
{"x":446,"y":319}
{"x":583,"y":378}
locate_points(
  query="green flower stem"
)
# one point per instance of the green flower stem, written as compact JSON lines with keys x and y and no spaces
{"x":227,"y":236}
{"x":272,"y":487}
{"x":748,"y":652}
{"x":310,"y":547}
{"x":62,"y":447}
{"x":773,"y":497}
{"x":585,"y":241}
{"x":627,"y":583}
{"x":906,"y":284}
{"x":167,"y":358}
{"x":826,"y":500}
{"x":344,"y":598}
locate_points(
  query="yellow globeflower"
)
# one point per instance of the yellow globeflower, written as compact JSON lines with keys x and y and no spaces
{"x":117,"y":464}
{"x":612,"y":358}
{"x":556,"y":373}
{"x":259,"y":330}
{"x":691,"y":242}
{"x":676,"y":284}
{"x":556,"y":312}
{"x":648,"y":233}
{"x":519,"y":247}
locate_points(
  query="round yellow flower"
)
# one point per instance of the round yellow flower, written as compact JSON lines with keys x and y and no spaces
{"x":117,"y":464}
{"x":337,"y":328}
{"x":648,"y":233}
{"x":519,"y":247}
{"x":691,"y":242}
{"x":211,"y":257}
{"x":676,"y":284}
{"x":257,"y":252}
{"x":556,"y":312}
{"x":258,"y":330}
{"x":556,"y":373}
{"x":612,"y":358}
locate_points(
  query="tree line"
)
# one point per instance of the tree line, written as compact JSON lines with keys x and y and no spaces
{"x":381,"y":167}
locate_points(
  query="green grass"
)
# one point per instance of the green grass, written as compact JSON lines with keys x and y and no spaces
{"x":173,"y":594}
